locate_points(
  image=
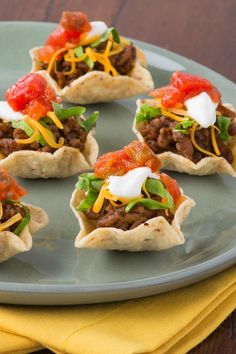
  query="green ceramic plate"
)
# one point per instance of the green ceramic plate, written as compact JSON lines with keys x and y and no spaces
{"x":54,"y":272}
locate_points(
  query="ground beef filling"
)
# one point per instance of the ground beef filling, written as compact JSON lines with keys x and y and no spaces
{"x":74,"y":135}
{"x":123,"y":62}
{"x":9,"y":210}
{"x":159,"y":135}
{"x":110,"y":216}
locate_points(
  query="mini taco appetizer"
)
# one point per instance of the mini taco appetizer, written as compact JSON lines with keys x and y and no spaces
{"x":17,"y":220}
{"x":87,"y":62}
{"x":41,"y":139}
{"x":188,"y":128}
{"x":127,"y":204}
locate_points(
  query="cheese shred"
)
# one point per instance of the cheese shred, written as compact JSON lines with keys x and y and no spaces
{"x":10,"y":222}
{"x":195,"y":144}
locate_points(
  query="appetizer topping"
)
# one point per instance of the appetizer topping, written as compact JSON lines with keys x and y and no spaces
{"x":31,"y":95}
{"x":130,"y":184}
{"x":7,"y":113}
{"x":38,"y":121}
{"x":182,"y":87}
{"x":187,"y":118}
{"x":120,"y":194}
{"x":77,"y":47}
{"x":13,"y":215}
{"x":9,"y":188}
{"x":202,"y":109}
{"x":119,"y":162}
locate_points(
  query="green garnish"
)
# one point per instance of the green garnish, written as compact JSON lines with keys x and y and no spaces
{"x":156,"y":187}
{"x":105,"y":35}
{"x":89,"y":62}
{"x":79,"y":51}
{"x":147,"y":113}
{"x":63,"y":113}
{"x":183,"y":127}
{"x":91,"y":184}
{"x":25,"y":221}
{"x":90,"y":122}
{"x":223,"y":124}
{"x":147,"y":203}
{"x":21,"y":124}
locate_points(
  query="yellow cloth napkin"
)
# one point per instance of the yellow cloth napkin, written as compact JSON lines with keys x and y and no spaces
{"x":170,"y":323}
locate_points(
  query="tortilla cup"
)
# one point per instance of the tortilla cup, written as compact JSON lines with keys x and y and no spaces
{"x":154,"y":235}
{"x":206,"y":166}
{"x":64,"y":162}
{"x":97,"y":86}
{"x":11,"y":244}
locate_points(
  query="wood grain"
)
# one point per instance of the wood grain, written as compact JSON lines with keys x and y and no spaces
{"x":203,"y":30}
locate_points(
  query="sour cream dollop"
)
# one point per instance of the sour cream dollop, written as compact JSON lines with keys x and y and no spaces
{"x":98,"y":28}
{"x":202,"y":109}
{"x":130,"y":184}
{"x":7,"y":113}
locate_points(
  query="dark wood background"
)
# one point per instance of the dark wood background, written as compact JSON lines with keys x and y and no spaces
{"x":202,"y":30}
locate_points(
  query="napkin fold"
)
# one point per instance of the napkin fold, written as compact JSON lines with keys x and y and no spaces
{"x":170,"y":323}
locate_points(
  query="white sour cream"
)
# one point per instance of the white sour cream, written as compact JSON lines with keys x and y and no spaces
{"x":8,"y":114}
{"x":202,"y":109}
{"x":98,"y":28}
{"x":130,"y":184}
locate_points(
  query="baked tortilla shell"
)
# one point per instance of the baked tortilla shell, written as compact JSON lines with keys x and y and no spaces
{"x":154,"y":235}
{"x":11,"y":244}
{"x":206,"y":166}
{"x":97,"y":86}
{"x":64,"y":162}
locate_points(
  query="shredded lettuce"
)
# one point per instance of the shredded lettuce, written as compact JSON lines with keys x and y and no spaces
{"x":223,"y":124}
{"x":91,"y":184}
{"x":21,"y":124}
{"x":63,"y":113}
{"x":147,"y":203}
{"x":25,"y":221}
{"x":79,"y":52}
{"x":183,"y":127}
{"x":147,"y":113}
{"x":89,"y":62}
{"x":105,"y":35}
{"x":156,"y":187}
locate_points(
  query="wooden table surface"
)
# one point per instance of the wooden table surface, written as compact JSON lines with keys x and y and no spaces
{"x":203,"y":30}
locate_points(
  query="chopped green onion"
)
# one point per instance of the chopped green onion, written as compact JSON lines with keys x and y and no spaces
{"x":183,"y":127}
{"x":63,"y":113}
{"x":91,"y":184}
{"x":105,"y":35}
{"x":25,"y":221}
{"x":90,"y":122}
{"x":89,"y":62}
{"x":79,"y":51}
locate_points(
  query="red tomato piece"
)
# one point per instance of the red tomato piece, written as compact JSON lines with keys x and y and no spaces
{"x":31,"y":95}
{"x":75,"y":22}
{"x":182,"y":87}
{"x":172,"y":186}
{"x":58,"y":38}
{"x":117,"y":163}
{"x":9,"y":188}
{"x":45,"y":54}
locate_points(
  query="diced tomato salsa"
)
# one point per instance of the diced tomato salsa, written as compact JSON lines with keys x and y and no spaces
{"x":117,"y":163}
{"x":182,"y":87}
{"x":31,"y":95}
{"x":172,"y":186}
{"x":72,"y":25}
{"x":9,"y":188}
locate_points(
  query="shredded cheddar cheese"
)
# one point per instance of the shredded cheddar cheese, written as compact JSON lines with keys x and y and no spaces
{"x":213,"y":139}
{"x":195,"y":144}
{"x":55,"y":120}
{"x":171,"y":115}
{"x":48,"y":136}
{"x":1,"y":210}
{"x":30,"y":140}
{"x":86,"y":41}
{"x":54,"y":57}
{"x":10,"y":222}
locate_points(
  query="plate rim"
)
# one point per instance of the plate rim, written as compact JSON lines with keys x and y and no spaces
{"x":200,"y":270}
